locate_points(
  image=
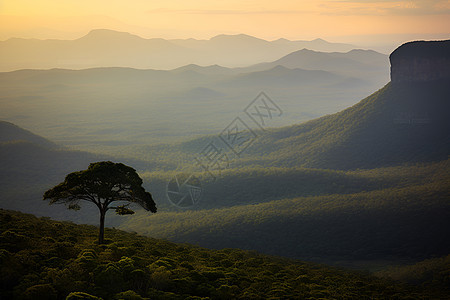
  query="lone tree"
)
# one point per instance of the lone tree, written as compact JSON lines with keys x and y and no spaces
{"x":102,"y":184}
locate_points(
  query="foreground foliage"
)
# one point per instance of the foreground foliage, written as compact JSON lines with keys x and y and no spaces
{"x":431,"y":273}
{"x":44,"y":259}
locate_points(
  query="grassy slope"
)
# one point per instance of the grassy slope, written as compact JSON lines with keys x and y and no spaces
{"x":44,"y":259}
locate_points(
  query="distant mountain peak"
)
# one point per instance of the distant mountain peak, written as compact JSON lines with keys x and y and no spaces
{"x":282,"y":40}
{"x":108,"y":33}
{"x":240,"y":36}
{"x":279,"y":68}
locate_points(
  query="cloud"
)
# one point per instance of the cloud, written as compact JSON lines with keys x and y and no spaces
{"x":333,"y":7}
{"x":384,"y":7}
{"x":225,"y":11}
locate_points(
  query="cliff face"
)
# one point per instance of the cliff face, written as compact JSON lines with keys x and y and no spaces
{"x":421,"y":61}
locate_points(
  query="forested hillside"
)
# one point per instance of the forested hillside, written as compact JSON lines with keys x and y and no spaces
{"x":252,"y":185}
{"x":44,"y":259}
{"x":403,"y":214}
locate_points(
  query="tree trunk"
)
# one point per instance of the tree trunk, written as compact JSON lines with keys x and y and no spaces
{"x":102,"y":227}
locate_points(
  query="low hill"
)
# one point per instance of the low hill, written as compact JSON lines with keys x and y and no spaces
{"x":44,"y":259}
{"x":31,"y":164}
{"x":12,"y":133}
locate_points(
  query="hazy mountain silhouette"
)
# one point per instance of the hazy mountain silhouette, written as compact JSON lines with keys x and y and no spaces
{"x":366,"y":64}
{"x":108,"y":48}
{"x":280,"y":76}
{"x":212,"y":69}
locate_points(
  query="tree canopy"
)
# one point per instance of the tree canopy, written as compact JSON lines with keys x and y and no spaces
{"x":102,"y":184}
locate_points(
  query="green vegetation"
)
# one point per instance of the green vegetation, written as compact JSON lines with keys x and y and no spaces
{"x":403,"y":215}
{"x":102,"y":184}
{"x":252,"y":185}
{"x":44,"y":259}
{"x":431,"y":273}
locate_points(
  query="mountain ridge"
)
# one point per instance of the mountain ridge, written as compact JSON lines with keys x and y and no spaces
{"x":105,"y":47}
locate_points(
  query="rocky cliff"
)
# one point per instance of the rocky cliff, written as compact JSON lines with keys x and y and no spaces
{"x":421,"y":61}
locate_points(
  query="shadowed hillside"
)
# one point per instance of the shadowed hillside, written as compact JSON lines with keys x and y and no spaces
{"x":44,"y":259}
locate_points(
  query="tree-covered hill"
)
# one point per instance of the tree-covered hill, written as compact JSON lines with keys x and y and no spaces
{"x":403,"y":214}
{"x":252,"y":185}
{"x":44,"y":259}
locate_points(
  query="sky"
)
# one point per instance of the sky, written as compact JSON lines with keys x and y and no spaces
{"x":357,"y":21}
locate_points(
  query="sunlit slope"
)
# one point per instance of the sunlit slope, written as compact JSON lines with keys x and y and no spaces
{"x":400,"y":123}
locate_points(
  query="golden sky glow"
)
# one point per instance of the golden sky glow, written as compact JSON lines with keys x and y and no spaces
{"x":333,"y":19}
